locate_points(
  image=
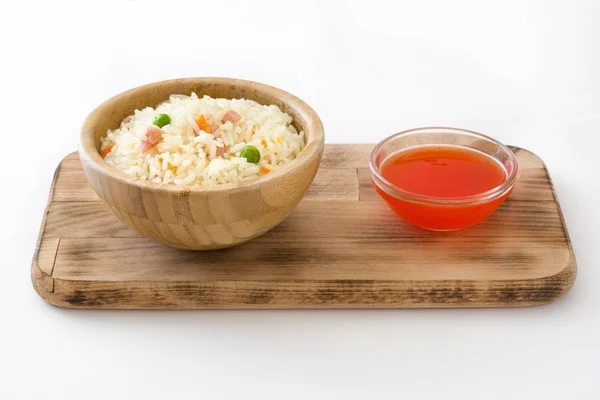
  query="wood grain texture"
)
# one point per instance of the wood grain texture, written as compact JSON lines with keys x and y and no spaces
{"x":340,"y":248}
{"x":196,"y":217}
{"x":74,"y":185}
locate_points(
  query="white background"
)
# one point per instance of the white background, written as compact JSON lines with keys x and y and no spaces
{"x":525,"y":72}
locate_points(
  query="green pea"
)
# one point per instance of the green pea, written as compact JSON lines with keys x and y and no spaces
{"x":251,"y":154}
{"x":161,"y":120}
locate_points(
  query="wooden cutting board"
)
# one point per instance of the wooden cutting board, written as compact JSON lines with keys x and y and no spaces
{"x":341,"y":248}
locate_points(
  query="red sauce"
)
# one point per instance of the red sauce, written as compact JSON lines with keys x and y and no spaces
{"x":442,"y":172}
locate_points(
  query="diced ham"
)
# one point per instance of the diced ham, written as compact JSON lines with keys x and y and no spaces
{"x":231,"y":116}
{"x":220,"y":150}
{"x":216,"y":133}
{"x":153,"y":136}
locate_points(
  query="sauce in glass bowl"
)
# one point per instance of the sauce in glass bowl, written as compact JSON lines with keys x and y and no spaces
{"x":443,"y":178}
{"x":444,"y":171}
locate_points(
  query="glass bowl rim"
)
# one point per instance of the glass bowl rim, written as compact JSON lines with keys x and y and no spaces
{"x":401,"y":194}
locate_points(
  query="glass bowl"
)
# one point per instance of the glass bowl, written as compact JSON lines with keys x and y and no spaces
{"x":442,"y":214}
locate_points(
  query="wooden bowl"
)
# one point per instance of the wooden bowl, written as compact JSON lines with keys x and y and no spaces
{"x":195,"y":217}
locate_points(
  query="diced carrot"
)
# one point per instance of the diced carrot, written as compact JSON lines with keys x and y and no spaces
{"x":203,"y":124}
{"x":264,"y":143}
{"x":264,"y":170}
{"x":160,"y":160}
{"x":174,"y":169}
{"x":253,"y":132}
{"x":107,"y":150}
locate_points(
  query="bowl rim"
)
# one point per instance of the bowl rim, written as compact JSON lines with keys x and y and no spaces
{"x":314,"y":133}
{"x":483,"y":197}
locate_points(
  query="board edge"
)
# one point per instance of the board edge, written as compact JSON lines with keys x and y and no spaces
{"x":533,"y":292}
{"x":43,"y":283}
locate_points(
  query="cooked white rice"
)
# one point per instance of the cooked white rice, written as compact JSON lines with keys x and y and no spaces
{"x":186,"y":155}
